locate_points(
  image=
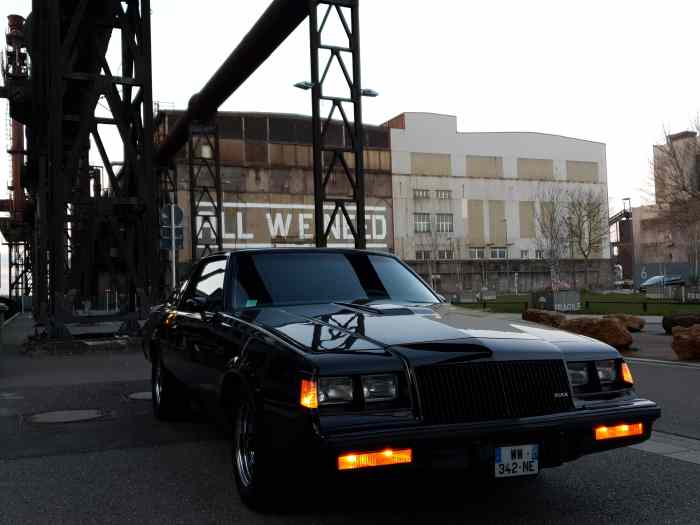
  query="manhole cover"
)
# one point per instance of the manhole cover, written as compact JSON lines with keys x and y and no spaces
{"x":66,"y":416}
{"x":140,"y":396}
{"x":10,"y":397}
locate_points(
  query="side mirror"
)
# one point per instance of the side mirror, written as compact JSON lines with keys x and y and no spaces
{"x":196,"y":304}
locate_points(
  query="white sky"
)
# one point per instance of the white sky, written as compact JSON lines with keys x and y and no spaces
{"x":617,"y":72}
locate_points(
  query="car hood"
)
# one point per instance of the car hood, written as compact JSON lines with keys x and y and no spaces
{"x":415,"y":330}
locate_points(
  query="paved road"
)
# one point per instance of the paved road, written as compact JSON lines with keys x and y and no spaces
{"x":128,"y":468}
{"x":676,"y":388}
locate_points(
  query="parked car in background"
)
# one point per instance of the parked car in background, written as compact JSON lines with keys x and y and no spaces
{"x":659,"y":281}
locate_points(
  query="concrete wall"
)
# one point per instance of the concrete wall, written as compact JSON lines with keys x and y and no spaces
{"x":492,"y":176}
{"x":464,"y":279}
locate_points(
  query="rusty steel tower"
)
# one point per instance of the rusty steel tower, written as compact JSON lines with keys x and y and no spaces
{"x":84,"y":213}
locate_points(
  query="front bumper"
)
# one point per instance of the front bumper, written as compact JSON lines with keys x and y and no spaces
{"x":562,"y":437}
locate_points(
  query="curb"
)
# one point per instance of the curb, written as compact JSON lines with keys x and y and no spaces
{"x":661,"y":362}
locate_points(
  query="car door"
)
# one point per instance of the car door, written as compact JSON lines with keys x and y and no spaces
{"x":192,"y":342}
{"x":228,"y":331}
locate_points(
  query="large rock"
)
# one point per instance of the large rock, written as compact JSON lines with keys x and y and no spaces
{"x":683,"y":320}
{"x":686,"y":342}
{"x":631,"y":322}
{"x":545,"y":317}
{"x":607,"y":330}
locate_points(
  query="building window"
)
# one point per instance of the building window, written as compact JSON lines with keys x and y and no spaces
{"x":498,"y":253}
{"x":476,"y":253}
{"x":445,"y":223}
{"x":445,"y":255}
{"x":539,"y":254}
{"x":421,"y":194}
{"x":524,"y":254}
{"x":422,"y":221}
{"x":423,"y":255}
{"x":444,"y":195}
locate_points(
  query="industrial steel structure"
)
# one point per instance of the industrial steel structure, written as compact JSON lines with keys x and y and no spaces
{"x":71,"y":239}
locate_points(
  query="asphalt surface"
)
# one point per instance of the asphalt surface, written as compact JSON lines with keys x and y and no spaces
{"x":677,"y":390}
{"x":126,"y":467}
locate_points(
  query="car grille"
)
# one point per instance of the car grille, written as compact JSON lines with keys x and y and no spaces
{"x":495,"y":390}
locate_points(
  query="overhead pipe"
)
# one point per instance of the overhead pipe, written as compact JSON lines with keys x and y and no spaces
{"x":279,"y":21}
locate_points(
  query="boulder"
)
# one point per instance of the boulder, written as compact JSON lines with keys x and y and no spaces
{"x":544,"y":317}
{"x":683,"y":320}
{"x":686,"y":342}
{"x":631,"y":322}
{"x":608,"y":330}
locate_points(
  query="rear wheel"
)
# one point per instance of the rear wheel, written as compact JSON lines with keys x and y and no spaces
{"x":170,"y":400}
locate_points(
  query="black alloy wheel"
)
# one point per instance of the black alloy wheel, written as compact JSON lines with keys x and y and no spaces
{"x":249,"y":469}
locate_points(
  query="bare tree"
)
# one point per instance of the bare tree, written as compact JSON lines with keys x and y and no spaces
{"x":551,"y":229}
{"x":586,"y":219}
{"x":677,"y":190}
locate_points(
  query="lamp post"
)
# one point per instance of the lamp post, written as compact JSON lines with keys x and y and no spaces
{"x":505,"y":221}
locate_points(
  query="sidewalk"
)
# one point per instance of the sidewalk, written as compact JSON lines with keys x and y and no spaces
{"x":21,"y":370}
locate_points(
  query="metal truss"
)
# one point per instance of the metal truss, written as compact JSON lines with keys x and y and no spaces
{"x":206,"y":199}
{"x":329,"y":157}
{"x":168,"y":194}
{"x":20,"y":269}
{"x":71,"y":77}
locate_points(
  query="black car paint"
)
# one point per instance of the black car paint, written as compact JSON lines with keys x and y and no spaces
{"x":265,"y":352}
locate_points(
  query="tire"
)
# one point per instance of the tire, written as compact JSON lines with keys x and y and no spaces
{"x":250,"y":467}
{"x":170,"y":399}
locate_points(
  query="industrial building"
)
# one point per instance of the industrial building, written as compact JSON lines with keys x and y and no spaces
{"x":460,"y":207}
{"x":267,"y":183}
{"x":465,"y":204}
{"x":663,"y":238}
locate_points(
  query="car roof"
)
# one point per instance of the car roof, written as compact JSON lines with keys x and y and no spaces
{"x":300,"y":249}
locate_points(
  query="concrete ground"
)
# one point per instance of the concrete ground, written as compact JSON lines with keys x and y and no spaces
{"x":126,"y":467}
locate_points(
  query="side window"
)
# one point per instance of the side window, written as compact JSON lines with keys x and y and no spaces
{"x":208,"y":286}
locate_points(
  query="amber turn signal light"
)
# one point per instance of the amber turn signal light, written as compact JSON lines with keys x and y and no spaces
{"x":619,"y":431}
{"x":375,"y":459}
{"x":309,"y":394}
{"x":627,"y":374}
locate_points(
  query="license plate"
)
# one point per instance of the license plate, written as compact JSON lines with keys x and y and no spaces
{"x":521,"y":460}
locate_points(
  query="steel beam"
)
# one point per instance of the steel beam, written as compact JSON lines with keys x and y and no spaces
{"x":83,"y":233}
{"x":280,"y":19}
{"x":206,"y":198}
{"x":331,"y":157}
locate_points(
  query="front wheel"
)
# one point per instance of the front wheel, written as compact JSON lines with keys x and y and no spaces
{"x":249,"y":467}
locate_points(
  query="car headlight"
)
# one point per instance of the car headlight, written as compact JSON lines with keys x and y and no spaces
{"x":607,"y":371}
{"x":335,"y":390}
{"x":578,"y":374}
{"x":380,"y":387}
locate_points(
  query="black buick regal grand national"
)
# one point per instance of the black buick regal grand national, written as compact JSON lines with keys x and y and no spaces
{"x":346,"y":361}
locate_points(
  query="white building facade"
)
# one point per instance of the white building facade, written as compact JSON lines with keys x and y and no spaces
{"x":476,"y":196}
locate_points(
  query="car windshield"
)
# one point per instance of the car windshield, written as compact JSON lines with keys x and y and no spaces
{"x":268,"y":279}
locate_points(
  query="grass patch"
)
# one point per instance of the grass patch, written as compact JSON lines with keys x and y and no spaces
{"x":597,"y":304}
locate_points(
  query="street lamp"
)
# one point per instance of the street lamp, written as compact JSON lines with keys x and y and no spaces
{"x":306,"y":85}
{"x":505,"y":221}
